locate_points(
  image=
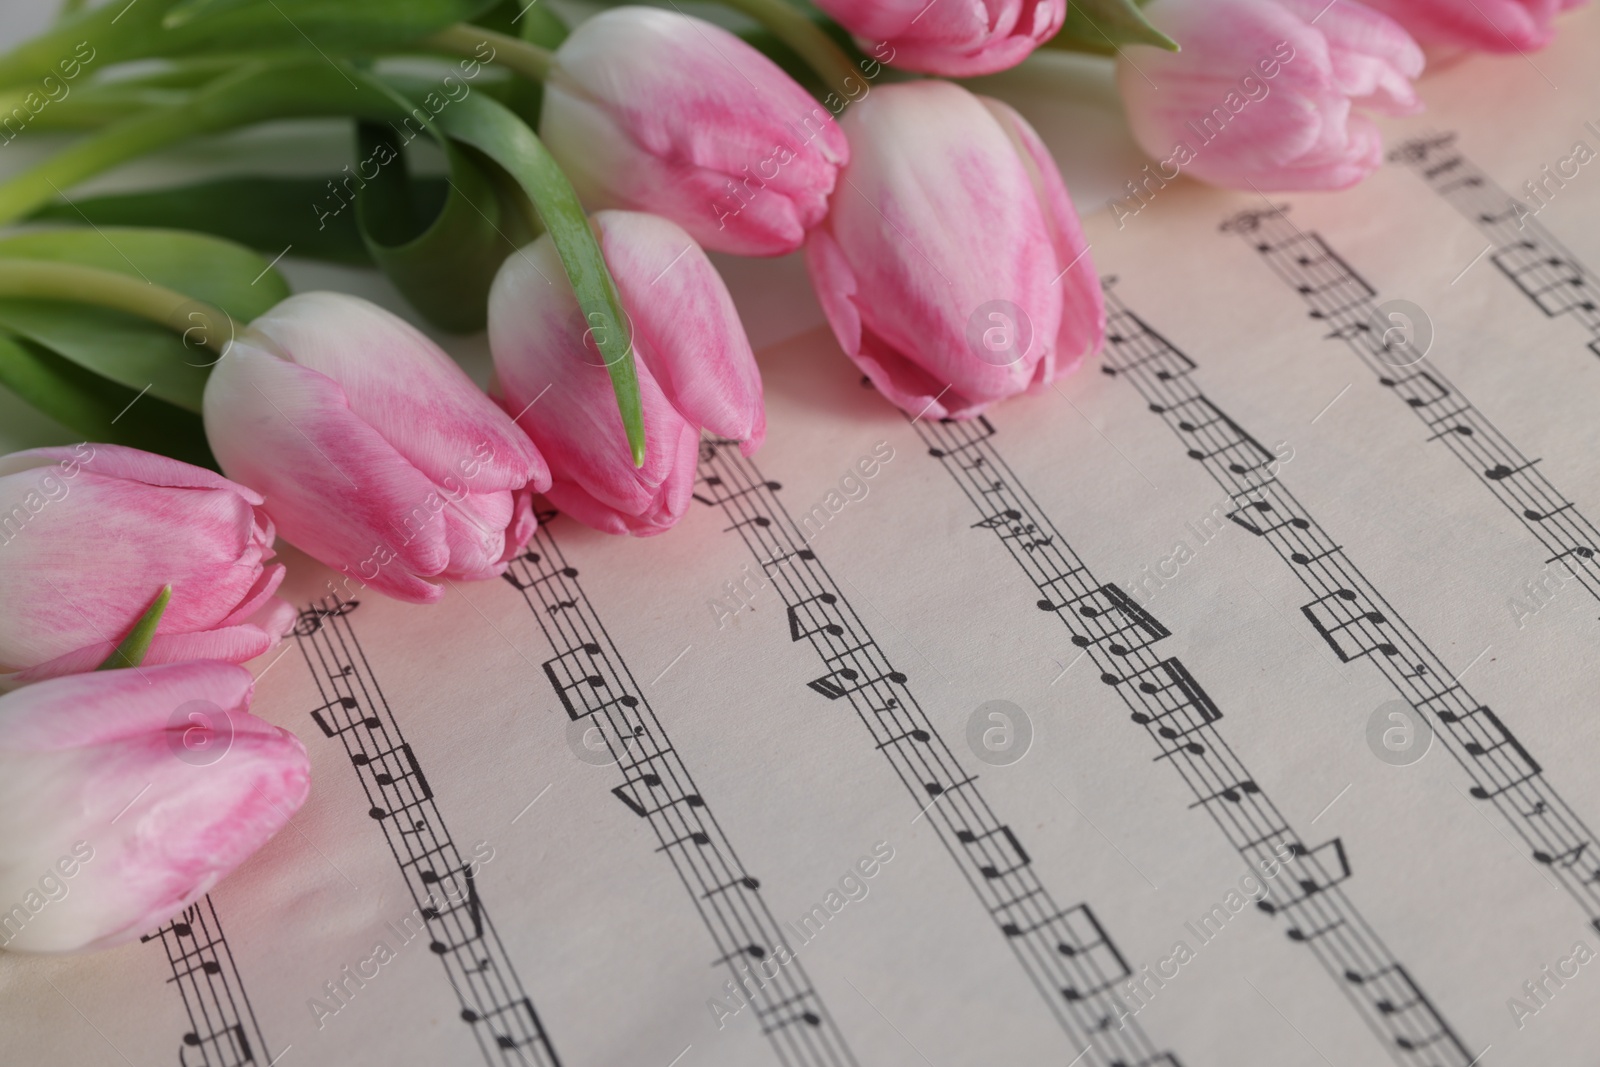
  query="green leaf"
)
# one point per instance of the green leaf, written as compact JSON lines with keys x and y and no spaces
{"x":257,"y":92}
{"x":494,"y":130}
{"x":1103,"y":26}
{"x":114,"y":345}
{"x":444,"y":266}
{"x":100,"y":409}
{"x":281,"y":212}
{"x":117,"y":32}
{"x":127,"y":350}
{"x":131,"y":650}
{"x":235,"y":279}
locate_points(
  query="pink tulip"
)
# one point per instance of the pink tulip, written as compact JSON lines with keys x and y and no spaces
{"x":956,"y":38}
{"x":1479,"y":25}
{"x":952,"y":267}
{"x":90,"y":534}
{"x":655,"y":111}
{"x":376,"y":453}
{"x":1261,"y":95}
{"x":125,"y":795}
{"x":695,"y":367}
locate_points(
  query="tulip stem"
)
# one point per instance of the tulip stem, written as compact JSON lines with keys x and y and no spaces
{"x":37,"y":279}
{"x":131,"y":650}
{"x":528,"y":60}
{"x":809,"y":41}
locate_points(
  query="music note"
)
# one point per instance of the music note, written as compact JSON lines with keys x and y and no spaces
{"x":1124,"y":626}
{"x":564,"y":572}
{"x":992,"y":870}
{"x":1234,"y":794}
{"x":755,"y":952}
{"x":982,"y":423}
{"x":1008,"y":515}
{"x":474,"y":912}
{"x":624,"y":793}
{"x":1239,"y":517}
{"x":799,"y":632}
{"x":845,"y":681}
{"x":1296,"y":934}
{"x":1500,"y":472}
{"x":919,"y":735}
{"x":1564,"y":859}
{"x":746,"y":882}
{"x":1332,"y":622}
{"x":1534,"y":515}
{"x":714,"y":481}
{"x":370,"y":722}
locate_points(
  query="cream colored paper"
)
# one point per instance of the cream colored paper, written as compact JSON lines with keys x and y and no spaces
{"x":614,"y":944}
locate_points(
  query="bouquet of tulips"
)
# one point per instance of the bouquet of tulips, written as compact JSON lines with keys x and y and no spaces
{"x":581,"y":173}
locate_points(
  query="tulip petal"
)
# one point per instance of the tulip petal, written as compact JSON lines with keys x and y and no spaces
{"x":686,"y":328}
{"x":289,"y":430}
{"x":85,"y":709}
{"x":140,"y":537}
{"x":129,"y":464}
{"x":655,"y":111}
{"x":955,"y":38}
{"x":1261,"y":95}
{"x":546,"y":371}
{"x":1482,"y":25}
{"x":407,"y":389}
{"x":940,"y":266}
{"x":1083,"y":311}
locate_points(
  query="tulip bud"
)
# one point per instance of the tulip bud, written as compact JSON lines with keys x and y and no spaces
{"x":1480,"y":25}
{"x":695,"y":368}
{"x":126,"y":795}
{"x":655,"y":111}
{"x":958,"y":40}
{"x":1261,"y":96}
{"x":90,"y":534}
{"x":952,"y":266}
{"x":376,"y":453}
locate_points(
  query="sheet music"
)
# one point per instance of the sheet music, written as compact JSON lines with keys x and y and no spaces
{"x":1228,"y":703}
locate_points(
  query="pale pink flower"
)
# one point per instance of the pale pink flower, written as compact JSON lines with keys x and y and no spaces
{"x":376,"y":453}
{"x":952,"y":266}
{"x":956,"y":38}
{"x":125,"y":795}
{"x":1478,"y":25}
{"x":90,"y":534}
{"x":694,"y":362}
{"x":655,"y":111}
{"x":1267,"y":94}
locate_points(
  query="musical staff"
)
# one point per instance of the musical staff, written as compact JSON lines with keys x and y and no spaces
{"x":1359,"y":625}
{"x":1521,"y":247}
{"x":1306,"y":262}
{"x":594,"y":684}
{"x":355,"y":712}
{"x":1119,"y":637}
{"x":222,"y":1025}
{"x":1065,"y":952}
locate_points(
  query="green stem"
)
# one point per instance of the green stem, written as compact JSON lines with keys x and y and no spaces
{"x":37,"y":279}
{"x":255,"y":94}
{"x":33,"y":188}
{"x":808,"y":40}
{"x":131,"y":650}
{"x":463,"y":39}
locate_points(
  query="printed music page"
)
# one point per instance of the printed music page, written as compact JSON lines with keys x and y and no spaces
{"x":1227,"y":703}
